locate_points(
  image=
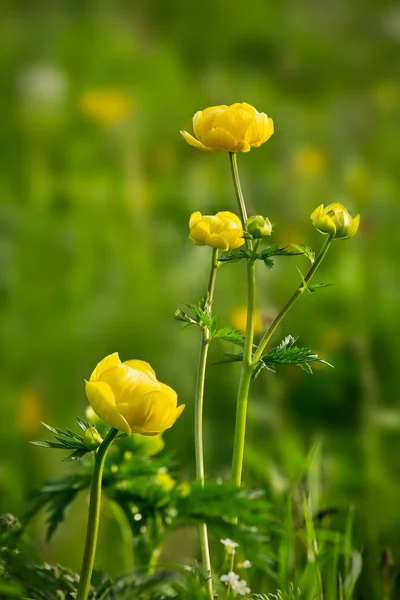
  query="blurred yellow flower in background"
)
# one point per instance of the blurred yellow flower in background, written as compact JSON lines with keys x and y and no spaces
{"x":128,"y":397}
{"x":335,"y":220}
{"x":31,"y":411}
{"x":105,"y":106}
{"x":235,"y":128}
{"x":310,"y":161}
{"x":165,"y":480}
{"x":239,"y":319}
{"x":223,"y":230}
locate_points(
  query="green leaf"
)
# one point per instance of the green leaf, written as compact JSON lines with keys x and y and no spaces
{"x":229,"y":358}
{"x":83,"y":424}
{"x":317,"y":286}
{"x":288,"y":353}
{"x":306,"y":250}
{"x":234,"y":256}
{"x":230,"y":335}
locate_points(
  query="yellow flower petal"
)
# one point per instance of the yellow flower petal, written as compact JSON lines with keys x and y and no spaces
{"x":109,"y":362}
{"x":234,"y":120}
{"x":218,"y":241}
{"x":234,"y":238}
{"x":247,"y":107}
{"x":128,"y":383}
{"x":195,"y":218}
{"x":102,"y":400}
{"x":163,"y":411}
{"x":200,"y":233}
{"x":219,"y":139}
{"x":195,"y":143}
{"x":140,"y":365}
{"x":203,"y":120}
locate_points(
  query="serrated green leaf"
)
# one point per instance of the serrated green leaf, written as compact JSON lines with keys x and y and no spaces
{"x":230,"y":335}
{"x":288,"y":353}
{"x":306,"y":250}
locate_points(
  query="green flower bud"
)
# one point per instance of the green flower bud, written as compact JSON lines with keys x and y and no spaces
{"x":92,"y":439}
{"x":335,"y":220}
{"x":258,"y":226}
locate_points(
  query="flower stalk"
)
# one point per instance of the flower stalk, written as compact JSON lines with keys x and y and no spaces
{"x":198,"y":419}
{"x":284,"y":311}
{"x":94,"y":515}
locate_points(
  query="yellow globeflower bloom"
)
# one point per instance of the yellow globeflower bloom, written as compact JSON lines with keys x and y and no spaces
{"x":223,"y":230}
{"x":106,"y":106}
{"x":335,"y":220}
{"x":128,"y":397}
{"x":235,"y":128}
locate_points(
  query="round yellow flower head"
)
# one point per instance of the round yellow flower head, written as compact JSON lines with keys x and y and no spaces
{"x":258,"y":226}
{"x":235,"y":128}
{"x":223,"y":230}
{"x":128,"y":397}
{"x":335,"y":221}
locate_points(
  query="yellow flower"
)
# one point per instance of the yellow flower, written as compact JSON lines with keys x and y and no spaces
{"x":235,"y":128}
{"x":128,"y":397}
{"x":223,"y":230}
{"x":335,"y":221}
{"x":31,"y":411}
{"x":105,"y":106}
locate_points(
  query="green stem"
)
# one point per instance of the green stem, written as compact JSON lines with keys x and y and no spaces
{"x":244,"y":381}
{"x":239,"y":194}
{"x":198,"y":418}
{"x":94,"y":516}
{"x":282,"y":314}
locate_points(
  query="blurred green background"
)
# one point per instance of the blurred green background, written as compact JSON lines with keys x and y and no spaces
{"x":96,"y":189}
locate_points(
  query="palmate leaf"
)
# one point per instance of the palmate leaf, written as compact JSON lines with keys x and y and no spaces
{"x":290,"y":354}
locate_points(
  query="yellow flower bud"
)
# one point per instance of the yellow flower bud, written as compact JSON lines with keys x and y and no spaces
{"x":258,"y":226}
{"x":128,"y":397}
{"x":223,"y":230}
{"x":235,"y":128}
{"x":91,"y":438}
{"x":335,"y":221}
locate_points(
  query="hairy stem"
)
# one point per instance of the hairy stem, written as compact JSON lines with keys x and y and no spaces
{"x":198,"y":419}
{"x":94,"y":515}
{"x":300,"y":289}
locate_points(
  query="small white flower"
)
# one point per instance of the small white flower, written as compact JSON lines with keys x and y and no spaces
{"x":240,"y":587}
{"x":230,"y":546}
{"x":246,"y":564}
{"x":230,"y":579}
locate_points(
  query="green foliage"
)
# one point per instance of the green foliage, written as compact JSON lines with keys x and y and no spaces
{"x":287,"y":353}
{"x":201,"y":317}
{"x":265,"y":255}
{"x":305,"y":250}
{"x":67,"y":440}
